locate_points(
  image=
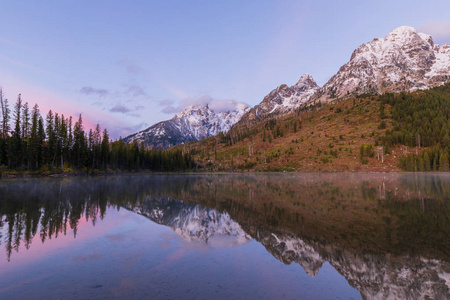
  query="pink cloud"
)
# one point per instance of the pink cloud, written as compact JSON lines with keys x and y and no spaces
{"x":439,"y":30}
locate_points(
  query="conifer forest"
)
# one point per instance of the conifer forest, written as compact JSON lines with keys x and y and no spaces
{"x":56,"y":144}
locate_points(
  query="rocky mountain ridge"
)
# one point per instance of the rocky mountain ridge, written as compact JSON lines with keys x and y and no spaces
{"x":194,"y":223}
{"x":403,"y":61}
{"x":191,"y":124}
{"x":284,"y":99}
{"x":375,"y":276}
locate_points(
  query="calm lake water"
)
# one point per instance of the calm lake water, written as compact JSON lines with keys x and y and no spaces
{"x":226,"y":236}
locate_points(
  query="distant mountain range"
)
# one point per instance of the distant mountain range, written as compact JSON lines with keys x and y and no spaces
{"x":191,"y":124}
{"x":404,"y":60}
{"x":376,"y":276}
{"x":194,"y":223}
{"x":284,"y":99}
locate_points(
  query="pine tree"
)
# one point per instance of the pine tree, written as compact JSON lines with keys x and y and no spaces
{"x":96,"y":147}
{"x":51,"y":138}
{"x":443,"y":162}
{"x":69,"y":139}
{"x":420,"y":164}
{"x":426,"y":161}
{"x":63,"y":135}
{"x":105,"y":149}
{"x":25,"y":134}
{"x":79,"y":145}
{"x":5,"y":116}
{"x":35,"y":143}
{"x":41,"y":139}
{"x":25,"y":121}
{"x":15,"y":145}
{"x":4,"y":129}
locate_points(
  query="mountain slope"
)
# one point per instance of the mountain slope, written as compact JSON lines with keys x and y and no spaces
{"x":194,"y":223}
{"x":192,"y":124}
{"x":283,"y":99}
{"x":404,"y":60}
{"x":296,"y":230}
{"x":344,"y":135}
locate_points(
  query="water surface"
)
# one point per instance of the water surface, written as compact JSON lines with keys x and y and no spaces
{"x":265,"y":236}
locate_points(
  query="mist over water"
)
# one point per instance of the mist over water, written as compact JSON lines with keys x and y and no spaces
{"x":320,"y":236}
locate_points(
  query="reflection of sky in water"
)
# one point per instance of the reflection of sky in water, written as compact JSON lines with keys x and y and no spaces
{"x":126,"y":254}
{"x":232,"y":236}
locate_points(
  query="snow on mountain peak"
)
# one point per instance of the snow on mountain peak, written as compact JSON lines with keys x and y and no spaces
{"x":305,"y":77}
{"x":195,"y":223}
{"x":193,"y":109}
{"x":284,"y":98}
{"x":401,"y":31}
{"x":195,"y":122}
{"x":306,"y":82}
{"x":404,"y":60}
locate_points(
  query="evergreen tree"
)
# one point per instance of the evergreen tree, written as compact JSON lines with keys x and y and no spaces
{"x":51,"y":138}
{"x":25,"y":121}
{"x":35,"y":144}
{"x":79,"y":145}
{"x":15,"y":144}
{"x":105,"y":149}
{"x":4,"y":129}
{"x":96,"y":147}
{"x":5,"y":116}
{"x":420,"y":164}
{"x":426,"y":161}
{"x":443,"y":162}
{"x":41,"y":139}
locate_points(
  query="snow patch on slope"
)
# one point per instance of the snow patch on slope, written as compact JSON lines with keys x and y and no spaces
{"x":402,"y":61}
{"x":194,"y":123}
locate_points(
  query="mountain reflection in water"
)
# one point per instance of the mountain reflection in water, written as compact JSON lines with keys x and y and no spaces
{"x":387,"y":234}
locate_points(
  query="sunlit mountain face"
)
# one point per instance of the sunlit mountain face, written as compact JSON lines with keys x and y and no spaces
{"x":385,"y":234}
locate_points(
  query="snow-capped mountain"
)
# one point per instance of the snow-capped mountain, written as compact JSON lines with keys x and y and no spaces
{"x":404,"y":60}
{"x":194,"y":223}
{"x":375,"y":276}
{"x":284,"y":99}
{"x":191,"y":124}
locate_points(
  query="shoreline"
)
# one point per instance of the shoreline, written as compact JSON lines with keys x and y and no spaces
{"x":63,"y":175}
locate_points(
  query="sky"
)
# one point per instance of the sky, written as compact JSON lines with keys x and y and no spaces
{"x":130,"y":64}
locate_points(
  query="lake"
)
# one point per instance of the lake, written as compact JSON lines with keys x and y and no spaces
{"x":226,"y":236}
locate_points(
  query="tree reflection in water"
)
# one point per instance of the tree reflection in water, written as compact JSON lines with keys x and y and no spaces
{"x":386,"y":233}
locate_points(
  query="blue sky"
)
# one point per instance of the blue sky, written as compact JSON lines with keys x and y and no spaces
{"x":130,"y":64}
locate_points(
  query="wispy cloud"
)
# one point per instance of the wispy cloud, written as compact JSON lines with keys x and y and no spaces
{"x":23,"y":65}
{"x":170,"y":110}
{"x":168,"y":106}
{"x":439,"y":30}
{"x":88,"y":90}
{"x":135,"y":128}
{"x":131,"y":67}
{"x":120,"y":109}
{"x":128,"y":91}
{"x":135,"y":91}
{"x":218,"y":105}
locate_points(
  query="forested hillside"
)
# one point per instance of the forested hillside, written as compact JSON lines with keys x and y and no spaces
{"x":389,"y":132}
{"x":31,"y":145}
{"x":421,"y":120}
